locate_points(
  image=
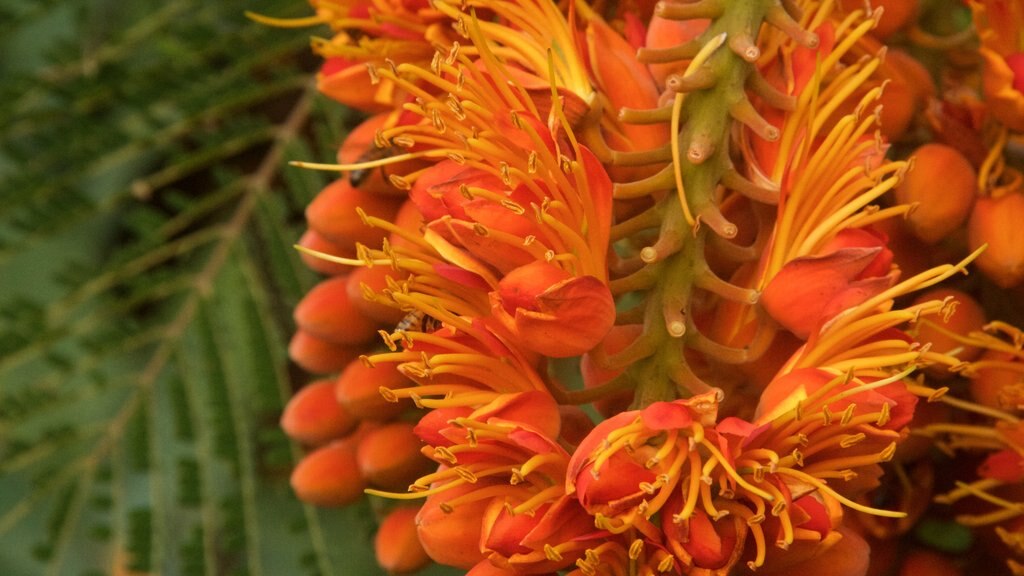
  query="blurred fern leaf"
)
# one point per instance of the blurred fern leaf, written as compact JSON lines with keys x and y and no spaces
{"x":146,"y":281}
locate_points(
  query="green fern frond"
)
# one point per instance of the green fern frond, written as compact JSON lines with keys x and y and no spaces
{"x":146,"y":284}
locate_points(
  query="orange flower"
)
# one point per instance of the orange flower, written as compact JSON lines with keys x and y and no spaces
{"x":552,"y":312}
{"x":1000,"y":24}
{"x":809,"y":291}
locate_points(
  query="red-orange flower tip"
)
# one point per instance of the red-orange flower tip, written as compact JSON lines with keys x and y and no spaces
{"x":453,"y":537}
{"x":397,"y":546}
{"x":554,"y":313}
{"x":1001,"y":84}
{"x":313,"y":415}
{"x":328,"y":476}
{"x":809,"y":291}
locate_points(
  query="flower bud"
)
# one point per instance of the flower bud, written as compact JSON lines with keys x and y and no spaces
{"x":996,"y":381}
{"x":389,"y":457}
{"x":328,"y":312}
{"x":1003,"y":97}
{"x":943,"y":185}
{"x":328,"y":476}
{"x":348,"y":82}
{"x":997,"y":222}
{"x":313,"y":415}
{"x":358,"y":390}
{"x":319,"y":356}
{"x":360,"y":146}
{"x":967,"y":316}
{"x":452,"y":538}
{"x":333,"y":214}
{"x":314,"y":241}
{"x":396,"y":544}
{"x":809,"y":291}
{"x":553,"y":313}
{"x":373,"y":279}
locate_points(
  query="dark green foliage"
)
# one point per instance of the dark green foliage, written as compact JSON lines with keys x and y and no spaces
{"x":147,"y":214}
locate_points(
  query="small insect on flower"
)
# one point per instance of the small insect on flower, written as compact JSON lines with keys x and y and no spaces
{"x":357,"y":177}
{"x":418,"y":321}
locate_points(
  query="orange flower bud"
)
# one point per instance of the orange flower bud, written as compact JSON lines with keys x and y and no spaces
{"x":360,"y":146}
{"x":348,"y":82}
{"x":967,"y":317}
{"x":997,"y":222}
{"x":313,"y":415}
{"x":314,"y":241}
{"x":333,"y":214}
{"x":1003,"y":96}
{"x":389,"y":457}
{"x":809,"y":291}
{"x":625,"y":82}
{"x":993,"y":382}
{"x":319,"y":356}
{"x":396,"y":544}
{"x":452,"y":538}
{"x":552,"y":312}
{"x":374,"y":279}
{"x":943,"y":185}
{"x":358,"y":390}
{"x":328,"y":476}
{"x":328,"y":312}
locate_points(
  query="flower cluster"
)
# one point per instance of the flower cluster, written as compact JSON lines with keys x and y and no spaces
{"x":670,"y":287}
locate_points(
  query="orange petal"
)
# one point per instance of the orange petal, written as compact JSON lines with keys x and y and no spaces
{"x":799,"y":294}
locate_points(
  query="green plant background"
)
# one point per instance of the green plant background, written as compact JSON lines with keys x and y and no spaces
{"x":147,"y":214}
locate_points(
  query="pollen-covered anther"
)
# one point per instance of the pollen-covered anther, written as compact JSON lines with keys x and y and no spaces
{"x":798,"y":457}
{"x":586,"y":568}
{"x":399,"y":182}
{"x":826,"y":416}
{"x":417,"y":400}
{"x":404,"y":141}
{"x":388,"y":394}
{"x":884,"y":415}
{"x":779,"y":508}
{"x":847,"y":414}
{"x":755,"y":519}
{"x":851,"y":440}
{"x":445,"y":455}
{"x":759,"y":472}
{"x":552,"y":553}
{"x":513,"y":206}
{"x":887,"y":454}
{"x":388,"y":340}
{"x":636,"y":548}
{"x":667,"y":564}
{"x":466,"y":474}
{"x":372,"y":71}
